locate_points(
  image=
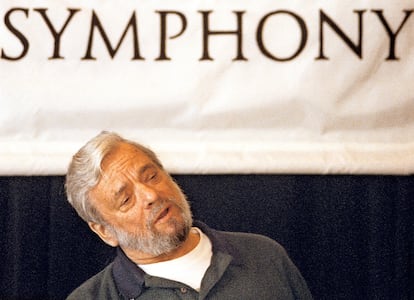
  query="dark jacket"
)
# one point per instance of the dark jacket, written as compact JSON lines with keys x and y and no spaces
{"x":243,"y":266}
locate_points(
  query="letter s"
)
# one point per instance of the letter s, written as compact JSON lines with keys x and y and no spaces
{"x":17,"y":33}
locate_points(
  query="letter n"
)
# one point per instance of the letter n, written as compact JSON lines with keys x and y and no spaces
{"x":355,"y":47}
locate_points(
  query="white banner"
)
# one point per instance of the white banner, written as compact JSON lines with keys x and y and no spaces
{"x":229,"y":86}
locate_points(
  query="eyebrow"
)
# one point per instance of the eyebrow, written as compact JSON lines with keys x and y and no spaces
{"x":146,"y":167}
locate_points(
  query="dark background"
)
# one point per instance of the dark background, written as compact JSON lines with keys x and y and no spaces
{"x":352,"y":237}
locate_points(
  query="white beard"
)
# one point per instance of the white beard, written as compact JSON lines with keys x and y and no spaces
{"x":152,"y":241}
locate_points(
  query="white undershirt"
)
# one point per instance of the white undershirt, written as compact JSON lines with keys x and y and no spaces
{"x":188,"y":269}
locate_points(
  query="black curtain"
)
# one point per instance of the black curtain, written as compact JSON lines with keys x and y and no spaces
{"x":352,"y":237}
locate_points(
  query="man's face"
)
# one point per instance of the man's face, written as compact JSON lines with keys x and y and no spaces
{"x":143,"y":207}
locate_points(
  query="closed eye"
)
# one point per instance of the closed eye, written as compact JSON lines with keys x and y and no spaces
{"x":152,"y":177}
{"x":125,"y":201}
{"x":149,"y":174}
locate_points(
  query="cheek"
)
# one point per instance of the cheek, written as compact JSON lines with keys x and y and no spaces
{"x":176,"y":191}
{"x":131,"y":220}
{"x":183,"y":205}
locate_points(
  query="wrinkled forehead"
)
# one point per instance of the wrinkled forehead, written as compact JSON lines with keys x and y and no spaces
{"x":122,"y":155}
{"x":122,"y":164}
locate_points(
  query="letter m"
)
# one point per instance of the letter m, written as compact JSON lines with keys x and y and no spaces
{"x":96,"y":24}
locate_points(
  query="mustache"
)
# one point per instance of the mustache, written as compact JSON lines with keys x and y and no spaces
{"x":157,"y":208}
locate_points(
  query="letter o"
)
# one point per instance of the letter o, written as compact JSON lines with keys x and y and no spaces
{"x":259,"y":35}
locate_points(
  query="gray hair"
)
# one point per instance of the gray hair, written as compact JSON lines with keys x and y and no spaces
{"x":85,"y":171}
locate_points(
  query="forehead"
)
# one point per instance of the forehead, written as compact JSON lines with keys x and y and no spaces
{"x":122,"y":156}
{"x":118,"y":167}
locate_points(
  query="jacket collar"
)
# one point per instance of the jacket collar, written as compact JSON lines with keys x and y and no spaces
{"x":129,"y":278}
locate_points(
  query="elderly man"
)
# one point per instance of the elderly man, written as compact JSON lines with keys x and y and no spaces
{"x":122,"y":191}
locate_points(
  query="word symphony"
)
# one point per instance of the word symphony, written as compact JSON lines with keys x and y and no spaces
{"x":208,"y":30}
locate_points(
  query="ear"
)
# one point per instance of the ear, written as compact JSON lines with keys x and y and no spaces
{"x":104,"y":233}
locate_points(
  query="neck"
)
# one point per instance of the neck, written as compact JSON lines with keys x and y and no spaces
{"x":141,"y":258}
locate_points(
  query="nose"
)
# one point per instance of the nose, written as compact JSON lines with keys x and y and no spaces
{"x":147,"y":195}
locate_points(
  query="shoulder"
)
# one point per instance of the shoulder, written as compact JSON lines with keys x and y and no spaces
{"x":245,"y":244}
{"x":101,"y":285}
{"x":238,"y":238}
{"x":256,"y":251}
{"x":265,"y":263}
{"x":250,"y":242}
